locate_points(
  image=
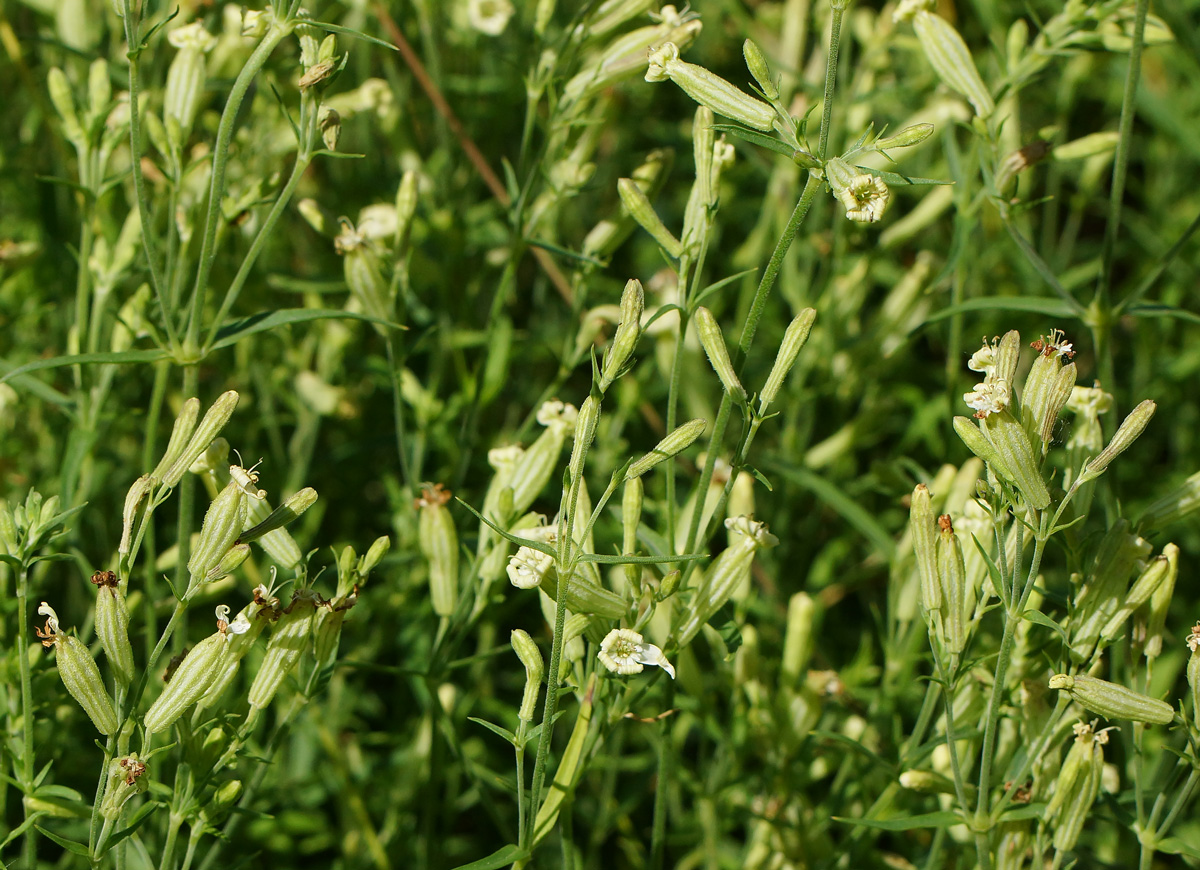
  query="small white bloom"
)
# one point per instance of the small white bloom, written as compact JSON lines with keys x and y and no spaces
{"x":504,"y":458}
{"x":865,"y":198}
{"x":984,"y":359}
{"x":908,"y":8}
{"x":489,"y":17}
{"x":555,"y":413}
{"x":1089,"y":402}
{"x":378,"y":221}
{"x":51,"y":618}
{"x":990,"y":397}
{"x":752,"y":529}
{"x":192,"y":36}
{"x":1193,"y":639}
{"x":527,"y":567}
{"x":625,"y":652}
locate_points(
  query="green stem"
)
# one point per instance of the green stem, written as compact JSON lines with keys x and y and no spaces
{"x":29,"y":850}
{"x":835,"y":29}
{"x":278,"y":31}
{"x":394,"y":364}
{"x":94,"y":827}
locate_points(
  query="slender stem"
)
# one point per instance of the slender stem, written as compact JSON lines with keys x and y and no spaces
{"x":94,"y":827}
{"x":394,"y":364}
{"x":278,"y":31}
{"x":29,"y":850}
{"x":835,"y":29}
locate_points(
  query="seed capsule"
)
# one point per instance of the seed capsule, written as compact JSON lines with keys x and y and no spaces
{"x":194,"y":676}
{"x":951,"y":60}
{"x":1113,"y":701}
{"x":112,"y":625}
{"x":438,"y":540}
{"x":709,"y":89}
{"x":79,"y":673}
{"x":714,"y":347}
{"x":223,"y":523}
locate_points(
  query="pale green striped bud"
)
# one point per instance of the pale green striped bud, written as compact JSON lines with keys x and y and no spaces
{"x":201,"y":437}
{"x":625,"y":56}
{"x":64,"y":104}
{"x":757,"y":64}
{"x":713,"y":343}
{"x":133,"y":500}
{"x":798,"y":640}
{"x":954,"y":588}
{"x":951,"y":60}
{"x":584,"y":595}
{"x":536,"y":465}
{"x":674,"y":443}
{"x":99,"y":90}
{"x":535,"y":669}
{"x":585,"y":434}
{"x":194,"y":676}
{"x":607,"y":235}
{"x":909,"y":136}
{"x":638,"y":205}
{"x":79,"y":673}
{"x":978,"y":444}
{"x":186,"y":77}
{"x":1174,"y":506}
{"x":282,"y":516}
{"x":438,"y":540}
{"x":228,"y":563}
{"x":703,"y":194}
{"x":1161,"y":570}
{"x":243,"y":632}
{"x":794,"y":339}
{"x":631,"y":517}
{"x":709,"y":89}
{"x":1091,"y":145}
{"x":1113,"y":701}
{"x":924,"y":537}
{"x":289,"y":639}
{"x":112,"y":625}
{"x":1160,"y":604}
{"x":1076,"y":786}
{"x":728,"y":571}
{"x":375,"y":553}
{"x":278,"y":543}
{"x":1105,"y":589}
{"x":181,"y":433}
{"x":608,"y":15}
{"x":1128,"y":432}
{"x":223,"y":523}
{"x":1008,"y":438}
{"x":126,"y":778}
{"x":625,"y":338}
{"x":363,"y":270}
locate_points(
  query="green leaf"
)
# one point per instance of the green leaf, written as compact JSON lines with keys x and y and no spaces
{"x":1043,"y":269}
{"x":234,"y":332}
{"x":346,"y":31}
{"x":1029,"y":304}
{"x":143,"y":813}
{"x":70,"y":845}
{"x":564,"y":252}
{"x":714,"y":287}
{"x":22,"y":828}
{"x":855,"y":746}
{"x":851,"y":511}
{"x":760,"y":139}
{"x":1177,"y":846}
{"x":1163,"y":311}
{"x":1040,"y":618}
{"x":502,"y":857}
{"x":944,"y":819}
{"x":540,"y":546}
{"x":495,"y":729}
{"x":1020,"y":813}
{"x":83,"y":359}
{"x":895,"y":178}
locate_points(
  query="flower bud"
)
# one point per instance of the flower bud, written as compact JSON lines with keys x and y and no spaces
{"x":1161,"y":570}
{"x":112,"y":625}
{"x":794,"y":338}
{"x":201,"y":437}
{"x":798,"y":640}
{"x":1155,"y":612}
{"x":290,"y":637}
{"x":907,"y":137}
{"x":632,"y":497}
{"x":728,"y":571}
{"x":1102,"y":594}
{"x":282,"y":516}
{"x":64,"y":104}
{"x":709,"y":89}
{"x":625,"y":56}
{"x":223,"y":523}
{"x":186,"y":76}
{"x":626,"y":652}
{"x":757,"y":64}
{"x":535,"y":669}
{"x":714,"y":347}
{"x":1174,"y":506}
{"x":438,"y":540}
{"x":378,"y":549}
{"x":674,"y":443}
{"x":133,"y":500}
{"x":638,"y":205}
{"x":181,"y":433}
{"x":243,"y":631}
{"x":951,"y":60}
{"x":628,"y":331}
{"x":585,"y":434}
{"x":1127,"y":433}
{"x":924,"y":537}
{"x":584,"y":594}
{"x":952,"y":573}
{"x":1113,"y":701}
{"x":406,"y":204}
{"x":1008,"y":437}
{"x":228,"y":563}
{"x":79,"y":673}
{"x":1076,"y":786}
{"x":328,"y":629}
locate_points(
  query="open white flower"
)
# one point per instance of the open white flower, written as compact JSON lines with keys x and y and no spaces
{"x":527,"y":567}
{"x":990,"y":397}
{"x":489,"y":16}
{"x":865,"y":198}
{"x":625,"y":652}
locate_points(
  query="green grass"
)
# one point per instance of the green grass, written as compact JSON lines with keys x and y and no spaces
{"x":375,"y":353}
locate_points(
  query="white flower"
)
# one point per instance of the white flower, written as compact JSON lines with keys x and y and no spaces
{"x":984,"y":359}
{"x":865,"y":198}
{"x":908,"y":8}
{"x":555,"y":413}
{"x":1089,"y":402}
{"x":527,"y":567}
{"x":752,"y":529}
{"x":990,"y":397}
{"x":51,"y":618}
{"x":625,"y":652}
{"x":192,"y":36}
{"x":1193,"y":639}
{"x":489,"y":16}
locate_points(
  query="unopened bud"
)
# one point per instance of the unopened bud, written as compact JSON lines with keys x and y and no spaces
{"x":757,"y":64}
{"x":201,"y":437}
{"x":1128,"y":432}
{"x":709,"y":89}
{"x":951,"y":60}
{"x":674,"y":443}
{"x":535,"y":669}
{"x":794,"y":338}
{"x":713,"y":343}
{"x":1113,"y":701}
{"x":638,"y":205}
{"x":133,"y":500}
{"x":438,"y":540}
{"x":909,"y":136}
{"x":330,"y":124}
